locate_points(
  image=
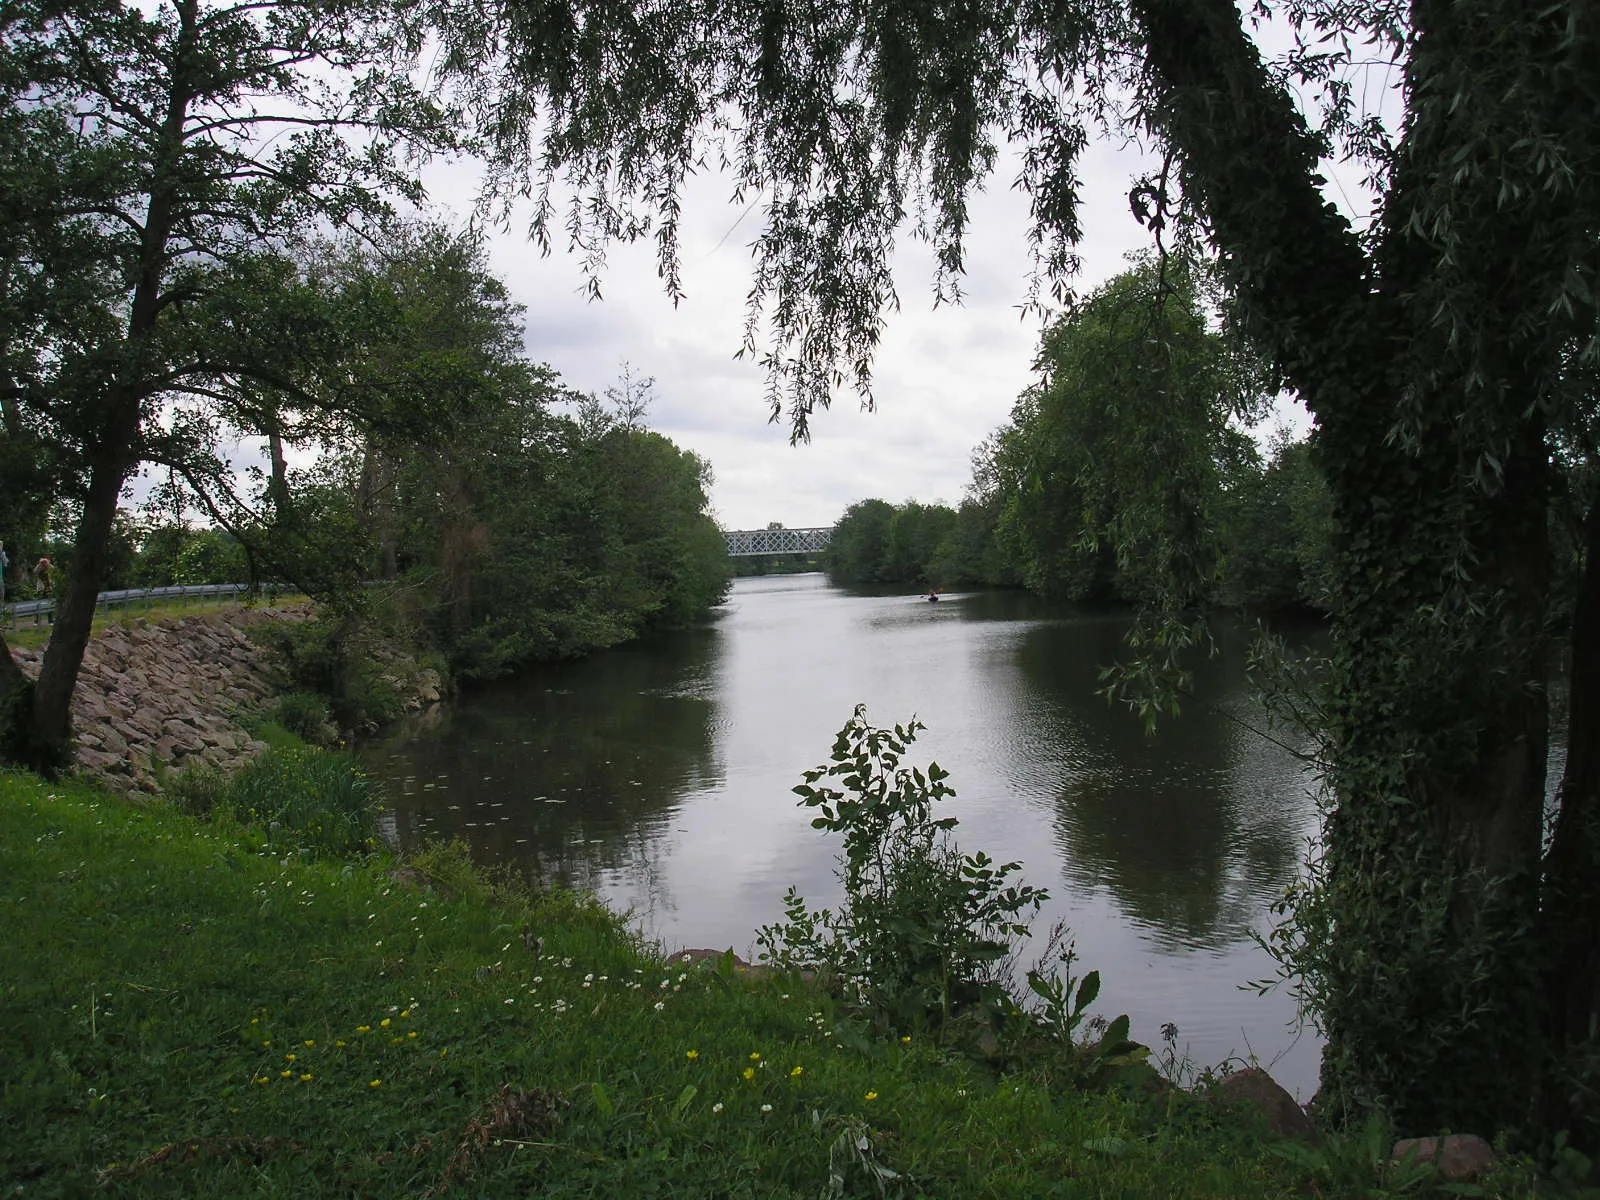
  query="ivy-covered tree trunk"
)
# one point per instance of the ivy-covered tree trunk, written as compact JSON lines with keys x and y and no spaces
{"x":1429,"y":382}
{"x":1571,"y":916}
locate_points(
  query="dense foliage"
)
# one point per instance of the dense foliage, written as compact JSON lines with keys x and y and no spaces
{"x":1125,"y":474}
{"x":159,"y":163}
{"x":549,"y":523}
{"x":1446,"y":350}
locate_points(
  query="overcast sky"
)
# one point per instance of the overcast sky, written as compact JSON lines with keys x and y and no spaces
{"x":944,"y":379}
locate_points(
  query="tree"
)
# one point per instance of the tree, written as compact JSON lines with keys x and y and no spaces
{"x":158,"y":162}
{"x":1433,"y":348}
{"x":1116,"y":462}
{"x":858,"y":547}
{"x":1276,"y":533}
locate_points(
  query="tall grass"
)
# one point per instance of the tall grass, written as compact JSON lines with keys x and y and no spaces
{"x":295,"y":798}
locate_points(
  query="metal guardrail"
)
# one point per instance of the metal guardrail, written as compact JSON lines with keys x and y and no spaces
{"x":43,"y":611}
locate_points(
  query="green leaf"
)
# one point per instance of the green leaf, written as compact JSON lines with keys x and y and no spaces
{"x":684,"y":1097}
{"x":1088,"y":989}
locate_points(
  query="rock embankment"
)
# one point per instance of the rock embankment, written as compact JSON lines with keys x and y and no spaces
{"x":157,"y":696}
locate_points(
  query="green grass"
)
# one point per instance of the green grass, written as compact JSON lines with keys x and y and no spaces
{"x":187,"y":1013}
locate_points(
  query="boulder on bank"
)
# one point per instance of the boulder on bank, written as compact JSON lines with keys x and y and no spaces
{"x":1460,"y":1157}
{"x":1252,"y":1088}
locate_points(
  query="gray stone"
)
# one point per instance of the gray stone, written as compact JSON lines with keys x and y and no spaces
{"x":1253,"y":1088}
{"x":1460,"y":1157}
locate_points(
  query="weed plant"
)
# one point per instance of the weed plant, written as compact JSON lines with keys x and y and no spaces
{"x":307,"y":716}
{"x":921,"y":928}
{"x":292,"y":799}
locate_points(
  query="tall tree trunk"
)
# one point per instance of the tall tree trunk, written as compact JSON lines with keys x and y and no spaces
{"x":375,"y":504}
{"x":1419,"y":946}
{"x":278,"y":485}
{"x":1572,"y":884}
{"x":115,"y":451}
{"x":63,"y":657}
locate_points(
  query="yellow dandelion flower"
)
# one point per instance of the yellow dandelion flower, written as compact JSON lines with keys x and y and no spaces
{"x":363,"y":1028}
{"x":386,"y":1022}
{"x":692,"y":1055}
{"x":756,"y":1056}
{"x":305,"y":1078}
{"x":266,"y":1045}
{"x":405,"y":1013}
{"x":284,"y":1074}
{"x":872,"y":1095}
{"x":797,"y":1072}
{"x":339,"y":1042}
{"x":412,"y":1034}
{"x":310,"y":1043}
{"x":290,"y":1057}
{"x":906,"y":1041}
{"x":376,"y":1083}
{"x":263,"y":1079}
{"x":749,"y":1072}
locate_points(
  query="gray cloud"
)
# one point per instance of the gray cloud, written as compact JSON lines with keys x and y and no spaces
{"x":944,"y":379}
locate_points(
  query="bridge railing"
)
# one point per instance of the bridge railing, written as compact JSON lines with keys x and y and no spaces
{"x":43,"y":611}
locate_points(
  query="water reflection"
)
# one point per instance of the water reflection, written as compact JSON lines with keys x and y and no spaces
{"x":661,"y":775}
{"x":1195,"y":829}
{"x":569,"y":771}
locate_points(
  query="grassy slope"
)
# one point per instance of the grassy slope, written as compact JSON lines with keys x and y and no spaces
{"x":185,"y":1015}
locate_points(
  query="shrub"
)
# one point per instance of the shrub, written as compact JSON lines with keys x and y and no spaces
{"x":922,"y":928}
{"x":197,"y":791}
{"x":313,"y":801}
{"x":307,"y":716}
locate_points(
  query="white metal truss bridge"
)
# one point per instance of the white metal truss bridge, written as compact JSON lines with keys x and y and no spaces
{"x":743,"y":543}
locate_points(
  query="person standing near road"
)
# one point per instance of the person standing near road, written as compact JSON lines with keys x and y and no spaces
{"x":4,"y":563}
{"x":44,"y":576}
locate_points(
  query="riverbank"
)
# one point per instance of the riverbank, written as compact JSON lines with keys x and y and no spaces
{"x":189,"y":1014}
{"x":157,"y":696}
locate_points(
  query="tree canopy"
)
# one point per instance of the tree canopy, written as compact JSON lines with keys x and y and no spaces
{"x":160,"y":162}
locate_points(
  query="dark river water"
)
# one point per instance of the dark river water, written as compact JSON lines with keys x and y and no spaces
{"x":659,"y":775}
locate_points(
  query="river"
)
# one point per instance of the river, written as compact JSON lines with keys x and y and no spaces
{"x":659,"y":775}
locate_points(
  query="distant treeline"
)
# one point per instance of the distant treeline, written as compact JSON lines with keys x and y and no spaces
{"x":1272,"y":539}
{"x":1122,"y":475}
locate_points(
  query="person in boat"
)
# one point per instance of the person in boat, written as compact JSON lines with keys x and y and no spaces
{"x":933,"y":596}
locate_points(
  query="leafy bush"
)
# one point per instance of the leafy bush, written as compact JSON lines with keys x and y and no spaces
{"x":307,"y":716}
{"x":922,"y":928}
{"x":334,"y":656}
{"x":197,"y":791}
